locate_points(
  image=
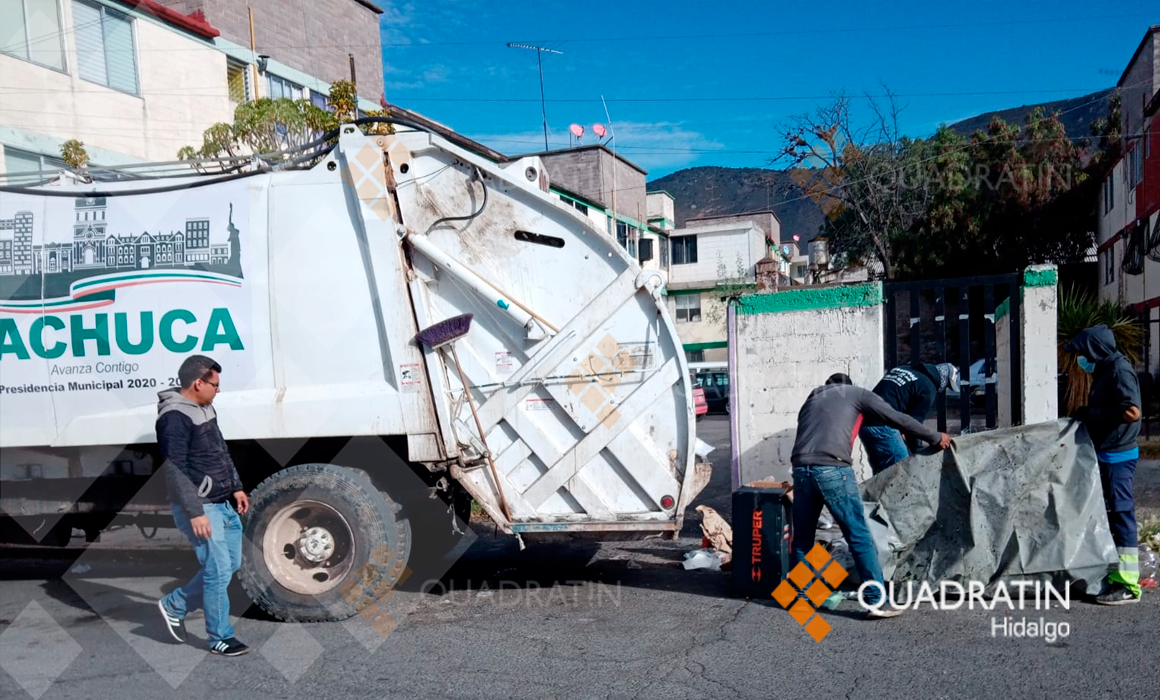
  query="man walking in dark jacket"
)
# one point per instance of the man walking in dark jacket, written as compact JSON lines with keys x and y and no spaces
{"x":1112,"y":419}
{"x":201,"y":478}
{"x":909,"y":389}
{"x":823,"y":473}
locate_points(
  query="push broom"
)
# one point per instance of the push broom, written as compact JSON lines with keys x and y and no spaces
{"x":445,"y":333}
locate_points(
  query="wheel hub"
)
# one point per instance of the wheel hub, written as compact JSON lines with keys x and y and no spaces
{"x":316,"y":545}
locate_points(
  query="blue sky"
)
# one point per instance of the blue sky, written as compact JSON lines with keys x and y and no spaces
{"x":664,"y":66}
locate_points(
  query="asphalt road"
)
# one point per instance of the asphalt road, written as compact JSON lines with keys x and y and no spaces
{"x":578,"y":621}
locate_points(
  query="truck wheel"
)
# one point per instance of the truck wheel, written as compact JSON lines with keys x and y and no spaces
{"x":310,"y":530}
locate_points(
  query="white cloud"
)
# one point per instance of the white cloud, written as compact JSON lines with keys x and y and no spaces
{"x":651,"y":145}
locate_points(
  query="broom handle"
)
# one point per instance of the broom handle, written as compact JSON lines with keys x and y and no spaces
{"x":479,"y":426}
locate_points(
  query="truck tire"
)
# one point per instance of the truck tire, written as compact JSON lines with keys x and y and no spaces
{"x":309,"y":538}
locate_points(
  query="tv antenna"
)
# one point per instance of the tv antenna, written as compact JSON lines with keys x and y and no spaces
{"x":540,"y":51}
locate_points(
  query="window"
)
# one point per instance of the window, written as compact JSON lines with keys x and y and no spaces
{"x":278,"y":87}
{"x":1135,"y":166}
{"x":319,"y":101}
{"x":695,"y":356}
{"x":575,"y":205}
{"x":105,"y":52}
{"x":1109,"y":194}
{"x":238,"y":82}
{"x":688,"y":308}
{"x":1110,"y":265}
{"x":663,"y":244}
{"x":646,"y":249}
{"x":684,"y":250}
{"x":34,"y":167}
{"x":30,"y":30}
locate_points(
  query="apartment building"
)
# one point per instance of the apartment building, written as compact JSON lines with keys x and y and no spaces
{"x":1128,"y":252}
{"x":136,"y":80}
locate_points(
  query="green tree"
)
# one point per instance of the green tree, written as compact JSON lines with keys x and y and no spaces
{"x":267,"y":125}
{"x":73,"y":152}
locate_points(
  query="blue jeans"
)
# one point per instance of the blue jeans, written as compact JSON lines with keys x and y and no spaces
{"x":836,"y":487}
{"x":884,"y":446}
{"x":220,"y":556}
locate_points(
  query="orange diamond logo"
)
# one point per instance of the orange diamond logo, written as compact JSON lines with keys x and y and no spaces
{"x":817,"y":557}
{"x":801,"y":611}
{"x":801,"y":576}
{"x":818,"y":628}
{"x":784,"y":594}
{"x":834,"y":574}
{"x":817,"y":593}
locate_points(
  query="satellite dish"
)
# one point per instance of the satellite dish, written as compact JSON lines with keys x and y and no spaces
{"x":576,"y":130}
{"x":785,"y":249}
{"x":599,"y":130}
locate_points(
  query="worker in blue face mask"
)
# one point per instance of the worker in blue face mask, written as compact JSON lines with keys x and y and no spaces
{"x":1112,"y":418}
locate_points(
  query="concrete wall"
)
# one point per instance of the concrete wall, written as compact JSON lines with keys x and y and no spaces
{"x":720,"y":244}
{"x":784,"y":345}
{"x":1139,"y":83}
{"x":661,"y":206}
{"x":767,"y":221}
{"x":150,"y":126}
{"x":313,"y":36}
{"x":1038,"y":338}
{"x":593,"y":173}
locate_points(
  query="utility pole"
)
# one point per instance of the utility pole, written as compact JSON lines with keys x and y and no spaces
{"x":540,"y":51}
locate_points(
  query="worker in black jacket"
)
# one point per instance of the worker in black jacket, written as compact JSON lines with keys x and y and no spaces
{"x":909,"y":389}
{"x":1112,"y":419}
{"x":202,"y":480}
{"x":823,"y":475}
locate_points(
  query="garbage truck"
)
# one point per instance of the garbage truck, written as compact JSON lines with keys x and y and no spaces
{"x":401,"y":321}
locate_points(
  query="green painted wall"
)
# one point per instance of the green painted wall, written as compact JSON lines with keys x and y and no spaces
{"x":869,"y":294}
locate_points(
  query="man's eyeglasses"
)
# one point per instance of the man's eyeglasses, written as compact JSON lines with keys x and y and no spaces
{"x":215,"y":385}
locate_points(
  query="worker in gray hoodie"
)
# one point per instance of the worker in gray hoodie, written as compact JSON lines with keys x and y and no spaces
{"x":1112,"y":419}
{"x":202,"y":481}
{"x":823,"y":473}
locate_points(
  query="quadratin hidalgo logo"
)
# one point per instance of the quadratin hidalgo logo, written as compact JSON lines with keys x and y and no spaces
{"x":812,"y":589}
{"x":598,"y":375}
{"x":366,"y":174}
{"x":85,"y":271}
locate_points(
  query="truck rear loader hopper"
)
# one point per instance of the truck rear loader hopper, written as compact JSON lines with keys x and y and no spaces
{"x":309,"y":279}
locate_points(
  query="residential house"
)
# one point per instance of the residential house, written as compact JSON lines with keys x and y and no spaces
{"x":1129,"y":200}
{"x":136,"y":80}
{"x":706,"y":260}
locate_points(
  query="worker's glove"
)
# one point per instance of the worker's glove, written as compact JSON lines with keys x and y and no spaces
{"x":1080,"y":414}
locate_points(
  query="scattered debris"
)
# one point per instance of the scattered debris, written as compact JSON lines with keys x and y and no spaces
{"x":717,"y":531}
{"x":702,"y":559}
{"x":834,"y":600}
{"x":81,"y":569}
{"x":1149,"y":568}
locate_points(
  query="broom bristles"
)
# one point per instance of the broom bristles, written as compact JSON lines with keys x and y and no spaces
{"x":446,"y":331}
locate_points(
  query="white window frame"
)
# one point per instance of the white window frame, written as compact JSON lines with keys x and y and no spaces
{"x":297,"y":91}
{"x":28,"y":41}
{"x":132,"y":22}
{"x":247,"y":81}
{"x":687,"y":305}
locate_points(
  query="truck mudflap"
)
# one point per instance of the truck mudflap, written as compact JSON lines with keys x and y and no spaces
{"x":572,"y":362}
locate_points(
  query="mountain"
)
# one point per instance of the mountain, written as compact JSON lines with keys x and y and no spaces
{"x":711,"y":190}
{"x":1076,"y":113}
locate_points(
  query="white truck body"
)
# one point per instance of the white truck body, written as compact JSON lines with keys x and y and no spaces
{"x":309,"y":287}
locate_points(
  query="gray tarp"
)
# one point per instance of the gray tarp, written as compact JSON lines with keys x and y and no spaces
{"x":1020,"y":503}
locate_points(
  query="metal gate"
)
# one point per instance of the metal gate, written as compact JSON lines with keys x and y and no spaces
{"x":953,"y":320}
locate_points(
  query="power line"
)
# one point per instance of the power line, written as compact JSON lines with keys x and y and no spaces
{"x":786,"y":32}
{"x":754,"y":98}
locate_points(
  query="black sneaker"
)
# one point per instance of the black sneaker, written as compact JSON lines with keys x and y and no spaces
{"x":229,"y":647}
{"x":1117,"y":594}
{"x":175,"y":626}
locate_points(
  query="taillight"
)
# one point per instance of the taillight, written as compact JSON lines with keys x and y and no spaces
{"x":667,"y":502}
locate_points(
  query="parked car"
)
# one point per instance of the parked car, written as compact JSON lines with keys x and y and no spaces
{"x":976,"y":384}
{"x":700,"y":405}
{"x":716,"y":386}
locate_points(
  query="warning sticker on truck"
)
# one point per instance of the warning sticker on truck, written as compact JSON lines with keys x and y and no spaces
{"x":409,"y":378}
{"x":535,"y":404}
{"x":505,"y":364}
